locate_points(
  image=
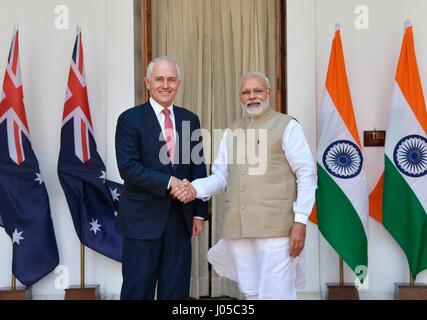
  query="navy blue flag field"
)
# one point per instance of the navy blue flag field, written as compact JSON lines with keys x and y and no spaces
{"x":91,"y":198}
{"x":24,"y":203}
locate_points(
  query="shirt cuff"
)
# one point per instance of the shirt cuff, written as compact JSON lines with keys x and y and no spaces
{"x":169,"y":183}
{"x":301,"y":218}
{"x":200,"y":218}
{"x":200,"y":190}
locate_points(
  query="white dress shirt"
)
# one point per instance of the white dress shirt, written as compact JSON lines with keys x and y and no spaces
{"x":158,"y":110}
{"x":297,"y":152}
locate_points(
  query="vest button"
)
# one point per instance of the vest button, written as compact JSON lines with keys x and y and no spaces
{"x":242,"y":189}
{"x":243,"y":207}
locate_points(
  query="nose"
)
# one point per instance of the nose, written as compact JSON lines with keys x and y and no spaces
{"x":252,"y":95}
{"x":165,"y":84}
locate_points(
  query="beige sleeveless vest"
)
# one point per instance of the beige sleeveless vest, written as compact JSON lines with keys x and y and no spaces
{"x":260,"y":196}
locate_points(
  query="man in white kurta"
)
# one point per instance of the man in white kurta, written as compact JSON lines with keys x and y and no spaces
{"x":262,"y":254}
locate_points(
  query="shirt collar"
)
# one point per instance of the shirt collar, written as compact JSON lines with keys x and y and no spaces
{"x":159,"y":108}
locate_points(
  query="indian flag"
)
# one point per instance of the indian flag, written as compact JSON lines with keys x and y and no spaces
{"x":405,"y":167}
{"x":342,"y":194}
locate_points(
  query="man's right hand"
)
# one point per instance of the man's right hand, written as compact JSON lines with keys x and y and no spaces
{"x":176,"y":184}
{"x":184,"y":192}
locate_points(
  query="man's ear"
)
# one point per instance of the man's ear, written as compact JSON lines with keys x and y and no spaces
{"x":147,"y":83}
{"x":269,"y":93}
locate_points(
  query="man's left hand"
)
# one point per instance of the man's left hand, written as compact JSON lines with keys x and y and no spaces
{"x":198,"y":226}
{"x":296,"y":239}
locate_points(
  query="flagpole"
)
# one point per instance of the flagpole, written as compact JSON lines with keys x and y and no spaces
{"x":82,"y":265}
{"x":13,"y":282}
{"x":341,"y":272}
{"x":408,"y":24}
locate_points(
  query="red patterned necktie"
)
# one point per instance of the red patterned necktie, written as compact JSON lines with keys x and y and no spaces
{"x":169,"y":136}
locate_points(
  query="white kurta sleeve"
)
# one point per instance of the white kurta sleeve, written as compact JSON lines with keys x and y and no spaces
{"x":298,"y":154}
{"x":217,"y":181}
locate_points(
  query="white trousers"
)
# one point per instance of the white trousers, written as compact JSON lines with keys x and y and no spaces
{"x":261,"y":267}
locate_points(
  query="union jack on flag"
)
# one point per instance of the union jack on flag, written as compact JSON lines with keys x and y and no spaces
{"x":12,"y":108}
{"x":24,"y":203}
{"x":92,"y":199}
{"x":77,"y":103}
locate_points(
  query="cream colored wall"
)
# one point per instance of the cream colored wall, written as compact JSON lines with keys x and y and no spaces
{"x":301,"y":92}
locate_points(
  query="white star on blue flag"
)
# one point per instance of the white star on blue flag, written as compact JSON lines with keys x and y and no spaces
{"x":95,"y":226}
{"x":39,"y":178}
{"x":17,"y":236}
{"x":114,"y":194}
{"x":103,"y":175}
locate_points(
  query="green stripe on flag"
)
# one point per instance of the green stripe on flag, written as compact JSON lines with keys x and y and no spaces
{"x":339,"y":222}
{"x":404,"y":217}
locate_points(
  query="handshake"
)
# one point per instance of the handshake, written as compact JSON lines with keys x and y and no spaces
{"x":182,"y":190}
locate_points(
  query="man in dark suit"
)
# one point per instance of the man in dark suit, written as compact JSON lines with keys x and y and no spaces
{"x":153,"y":159}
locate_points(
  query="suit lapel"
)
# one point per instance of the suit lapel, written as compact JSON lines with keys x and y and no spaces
{"x":151,"y":123}
{"x":153,"y":127}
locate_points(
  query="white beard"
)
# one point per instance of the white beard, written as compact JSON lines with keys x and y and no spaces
{"x":255,"y":112}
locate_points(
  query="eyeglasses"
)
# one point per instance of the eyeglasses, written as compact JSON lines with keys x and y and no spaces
{"x":256,"y":91}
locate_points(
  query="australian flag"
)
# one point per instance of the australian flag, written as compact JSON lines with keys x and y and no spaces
{"x":92,"y":199}
{"x":24,"y":203}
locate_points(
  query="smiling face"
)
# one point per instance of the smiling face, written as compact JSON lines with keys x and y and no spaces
{"x":163,"y":82}
{"x":254,"y":95}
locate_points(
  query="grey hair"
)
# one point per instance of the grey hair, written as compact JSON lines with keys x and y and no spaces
{"x":251,"y":74}
{"x":162,"y":58}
